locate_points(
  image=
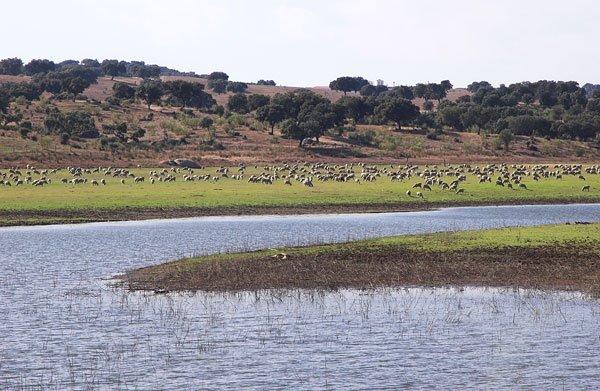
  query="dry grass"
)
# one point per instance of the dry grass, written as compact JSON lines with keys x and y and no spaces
{"x":253,"y":144}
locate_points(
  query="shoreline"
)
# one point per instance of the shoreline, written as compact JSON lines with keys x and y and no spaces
{"x":11,"y":218}
{"x":558,"y":257}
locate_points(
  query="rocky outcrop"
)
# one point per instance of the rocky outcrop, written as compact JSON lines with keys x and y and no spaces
{"x":187,"y":163}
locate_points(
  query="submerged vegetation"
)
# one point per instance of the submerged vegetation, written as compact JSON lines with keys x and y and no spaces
{"x":565,"y":257}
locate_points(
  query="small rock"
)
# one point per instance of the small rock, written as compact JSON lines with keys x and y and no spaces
{"x":188,"y":163}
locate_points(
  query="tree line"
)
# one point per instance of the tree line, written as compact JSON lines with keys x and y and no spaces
{"x":552,"y":109}
{"x":113,"y":68}
{"x":302,"y":113}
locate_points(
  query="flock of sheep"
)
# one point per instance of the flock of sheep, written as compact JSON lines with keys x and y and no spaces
{"x":445,"y":177}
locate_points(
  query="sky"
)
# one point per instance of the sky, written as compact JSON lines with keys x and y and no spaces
{"x":311,"y":42}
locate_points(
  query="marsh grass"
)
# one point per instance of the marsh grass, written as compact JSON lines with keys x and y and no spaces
{"x":548,"y":257}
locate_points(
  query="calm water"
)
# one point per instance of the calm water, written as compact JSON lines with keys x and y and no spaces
{"x":63,"y":327}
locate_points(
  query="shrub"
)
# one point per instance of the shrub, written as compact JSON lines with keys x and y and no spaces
{"x":206,"y":122}
{"x":64,"y":138}
{"x":77,"y":123}
{"x":362,"y":138}
{"x":238,"y":103}
{"x":236,"y":87}
{"x":173,"y":126}
{"x":110,"y":101}
{"x":123,"y":91}
{"x":210,"y":144}
{"x":434,"y":134}
{"x":219,"y":86}
{"x":389,"y":143}
{"x":218,"y":75}
{"x":256,"y":101}
{"x":24,"y":131}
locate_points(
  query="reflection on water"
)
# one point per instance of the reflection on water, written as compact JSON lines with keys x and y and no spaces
{"x":63,"y":327}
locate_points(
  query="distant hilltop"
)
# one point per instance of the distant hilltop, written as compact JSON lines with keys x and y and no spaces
{"x":114,"y":112}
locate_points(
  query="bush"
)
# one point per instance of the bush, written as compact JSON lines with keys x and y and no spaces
{"x":236,"y":87}
{"x":389,"y":143}
{"x":596,"y":142}
{"x":238,"y":103}
{"x":236,"y":119}
{"x":123,"y":91}
{"x":434,"y":134}
{"x":256,"y":101}
{"x":362,"y":138}
{"x":217,"y":75}
{"x":210,"y":144}
{"x":218,"y":110}
{"x":28,"y":91}
{"x":24,"y":131}
{"x":110,"y":101}
{"x":219,"y":86}
{"x":64,"y":138}
{"x":230,"y":131}
{"x":206,"y":122}
{"x":506,"y":137}
{"x":173,"y":126}
{"x":78,"y":123}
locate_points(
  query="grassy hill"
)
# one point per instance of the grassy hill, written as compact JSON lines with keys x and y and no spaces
{"x":241,"y":138}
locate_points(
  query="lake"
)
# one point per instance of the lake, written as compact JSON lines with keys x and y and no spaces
{"x":65,"y":327}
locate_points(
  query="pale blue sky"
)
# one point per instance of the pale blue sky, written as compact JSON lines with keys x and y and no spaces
{"x":310,"y":42}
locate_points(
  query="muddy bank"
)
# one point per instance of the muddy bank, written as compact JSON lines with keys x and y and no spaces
{"x":74,"y":216}
{"x":562,"y":267}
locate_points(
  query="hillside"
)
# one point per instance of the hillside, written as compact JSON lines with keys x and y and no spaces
{"x":172,"y":134}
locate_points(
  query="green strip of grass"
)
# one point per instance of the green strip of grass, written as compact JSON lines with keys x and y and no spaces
{"x":230,"y":193}
{"x":546,"y":257}
{"x":529,"y":237}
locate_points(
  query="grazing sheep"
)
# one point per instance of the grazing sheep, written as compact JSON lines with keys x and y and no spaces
{"x":94,"y":182}
{"x":460,"y":191}
{"x":585,"y":188}
{"x":408,"y":193}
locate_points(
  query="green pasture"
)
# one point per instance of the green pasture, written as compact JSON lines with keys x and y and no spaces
{"x":228,"y":192}
{"x":574,"y":235}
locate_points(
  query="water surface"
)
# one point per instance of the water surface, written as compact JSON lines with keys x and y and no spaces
{"x":64,"y":328}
